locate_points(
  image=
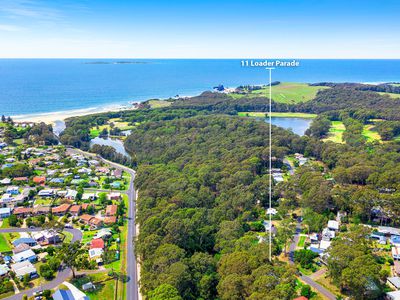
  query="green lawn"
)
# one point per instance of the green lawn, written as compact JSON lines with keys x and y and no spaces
{"x":370,"y":134}
{"x":336,"y":132}
{"x":302,"y":241}
{"x":87,"y":236}
{"x":277,"y":115}
{"x":105,"y":286}
{"x":4,"y":246}
{"x":6,"y":223}
{"x":158,"y":103}
{"x":391,"y":95}
{"x":288,"y":92}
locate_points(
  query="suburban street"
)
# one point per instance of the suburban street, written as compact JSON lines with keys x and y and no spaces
{"x":308,"y":280}
{"x":132,"y":289}
{"x":62,"y":275}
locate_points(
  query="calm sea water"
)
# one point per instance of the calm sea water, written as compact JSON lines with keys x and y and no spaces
{"x":29,"y":86}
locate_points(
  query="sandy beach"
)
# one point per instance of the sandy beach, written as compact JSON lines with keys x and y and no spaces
{"x":52,"y":117}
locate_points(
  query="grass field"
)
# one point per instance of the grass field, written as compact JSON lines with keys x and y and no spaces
{"x":391,"y":95}
{"x":6,"y":223}
{"x":4,"y":246}
{"x":105,"y":286}
{"x":95,"y":131}
{"x":336,"y":132}
{"x":302,"y":241}
{"x":288,"y":92}
{"x":277,"y":115}
{"x":158,"y":103}
{"x":370,"y":134}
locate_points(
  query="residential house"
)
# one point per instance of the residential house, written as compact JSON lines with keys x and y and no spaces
{"x":63,"y":295}
{"x":117,"y":173}
{"x":96,"y":254}
{"x":46,"y":193}
{"x":24,"y":240}
{"x":41,"y":210}
{"x":22,"y":268}
{"x":12,"y":190}
{"x":61,"y":210}
{"x":5,"y":181}
{"x":394,"y":282}
{"x":39,"y":179}
{"x":25,"y":255}
{"x":97,"y":243}
{"x":89,"y":196}
{"x":396,"y":253}
{"x":75,"y":210}
{"x":103,"y":233}
{"x":111,"y":210}
{"x":22,"y":211}
{"x":5,"y":212}
{"x":96,"y":223}
{"x":93,"y":162}
{"x":333,"y":225}
{"x":20,"y":248}
{"x":85,"y":218}
{"x":4,"y":269}
{"x":110,"y":220}
{"x":20,"y":179}
{"x":393,"y":295}
{"x":71,"y":194}
{"x":114,"y":196}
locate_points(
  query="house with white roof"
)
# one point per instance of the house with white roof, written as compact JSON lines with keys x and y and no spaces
{"x":5,"y":212}
{"x":25,"y":255}
{"x":333,"y":225}
{"x":22,"y":268}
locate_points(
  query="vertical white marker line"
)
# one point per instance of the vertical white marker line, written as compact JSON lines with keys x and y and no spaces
{"x":270,"y":163}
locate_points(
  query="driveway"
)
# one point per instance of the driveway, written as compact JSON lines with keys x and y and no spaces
{"x":62,"y":275}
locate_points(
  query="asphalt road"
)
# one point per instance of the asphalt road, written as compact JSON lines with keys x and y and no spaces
{"x":132,"y":289}
{"x":305,"y":278}
{"x":62,"y":275}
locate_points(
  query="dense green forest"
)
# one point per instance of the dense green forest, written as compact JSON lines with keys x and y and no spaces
{"x":199,"y":182}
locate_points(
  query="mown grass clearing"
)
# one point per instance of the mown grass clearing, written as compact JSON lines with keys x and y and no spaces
{"x":302,"y":241}
{"x":336,"y":132}
{"x":158,"y":103}
{"x":4,"y":246}
{"x":391,"y":95}
{"x":288,"y":92}
{"x":277,"y":115}
{"x":370,"y":134}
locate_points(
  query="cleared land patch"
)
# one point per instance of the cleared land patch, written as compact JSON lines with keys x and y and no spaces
{"x":287,"y":92}
{"x":277,"y":115}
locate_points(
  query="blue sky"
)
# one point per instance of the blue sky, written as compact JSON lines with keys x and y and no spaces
{"x":200,"y":29}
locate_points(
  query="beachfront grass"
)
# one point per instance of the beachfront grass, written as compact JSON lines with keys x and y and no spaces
{"x":159,"y":103}
{"x":336,"y":132}
{"x":287,"y":92}
{"x":391,"y":95}
{"x":277,"y":115}
{"x":4,"y":245}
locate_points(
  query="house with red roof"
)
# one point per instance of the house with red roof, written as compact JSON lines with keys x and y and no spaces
{"x":61,"y":210}
{"x":97,"y":244}
{"x":111,"y":210}
{"x":39,"y":179}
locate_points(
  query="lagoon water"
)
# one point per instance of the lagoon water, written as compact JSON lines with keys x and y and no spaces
{"x":33,"y":86}
{"x":117,"y":144}
{"x":297,"y":125}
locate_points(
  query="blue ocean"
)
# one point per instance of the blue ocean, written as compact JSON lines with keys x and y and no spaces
{"x":32,"y":86}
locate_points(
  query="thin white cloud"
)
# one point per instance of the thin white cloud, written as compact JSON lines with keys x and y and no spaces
{"x":11,"y":28}
{"x":28,"y":9}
